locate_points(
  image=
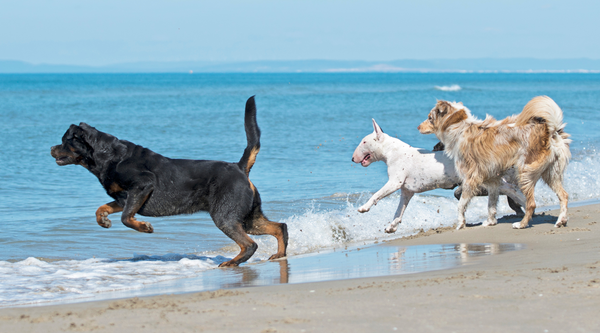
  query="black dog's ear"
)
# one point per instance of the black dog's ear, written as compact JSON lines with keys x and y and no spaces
{"x":74,"y":131}
{"x":85,"y":127}
{"x":87,"y":130}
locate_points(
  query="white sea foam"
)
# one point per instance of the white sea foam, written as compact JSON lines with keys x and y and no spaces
{"x":317,"y":229}
{"x":454,"y":87}
{"x":33,"y":281}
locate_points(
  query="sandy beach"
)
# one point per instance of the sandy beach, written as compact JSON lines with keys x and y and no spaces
{"x":553,"y":285}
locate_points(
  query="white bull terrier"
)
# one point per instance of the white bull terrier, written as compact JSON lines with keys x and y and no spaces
{"x":414,"y":170}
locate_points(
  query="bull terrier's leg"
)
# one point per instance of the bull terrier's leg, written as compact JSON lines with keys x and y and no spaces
{"x":405,"y":197}
{"x":389,"y":188}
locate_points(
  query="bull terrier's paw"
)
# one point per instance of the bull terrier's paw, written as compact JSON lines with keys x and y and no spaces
{"x":490,"y":222}
{"x":391,"y":229}
{"x":518,"y":225}
{"x":461,"y":226}
{"x":103,"y":220}
{"x":364,"y":208}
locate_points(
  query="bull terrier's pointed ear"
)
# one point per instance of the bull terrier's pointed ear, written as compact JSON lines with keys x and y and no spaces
{"x":377,"y":129}
{"x":460,"y":103}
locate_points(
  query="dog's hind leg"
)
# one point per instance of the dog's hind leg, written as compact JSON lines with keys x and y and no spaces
{"x":135,"y":200}
{"x":515,"y":198}
{"x":236,"y":232}
{"x":405,"y":197}
{"x":555,"y":183}
{"x":529,"y":177}
{"x":514,"y":206}
{"x":105,"y":210}
{"x":260,"y":225}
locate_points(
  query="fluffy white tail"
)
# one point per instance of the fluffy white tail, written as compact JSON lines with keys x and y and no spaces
{"x":545,"y":108}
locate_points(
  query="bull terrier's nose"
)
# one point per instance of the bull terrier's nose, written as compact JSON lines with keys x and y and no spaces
{"x":352,"y":159}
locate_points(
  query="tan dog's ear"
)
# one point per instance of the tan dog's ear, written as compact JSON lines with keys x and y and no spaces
{"x":378,"y":130}
{"x":443,"y":108}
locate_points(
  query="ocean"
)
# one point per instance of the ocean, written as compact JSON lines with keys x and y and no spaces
{"x":52,"y":249}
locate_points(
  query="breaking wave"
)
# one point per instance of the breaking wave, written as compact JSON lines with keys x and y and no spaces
{"x":454,"y":87}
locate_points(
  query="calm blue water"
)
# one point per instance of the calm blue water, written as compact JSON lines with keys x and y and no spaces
{"x":311,"y":124}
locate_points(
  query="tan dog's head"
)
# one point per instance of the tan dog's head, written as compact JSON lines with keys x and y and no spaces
{"x":442,"y":116}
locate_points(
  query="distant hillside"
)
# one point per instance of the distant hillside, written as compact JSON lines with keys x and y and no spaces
{"x":319,"y":66}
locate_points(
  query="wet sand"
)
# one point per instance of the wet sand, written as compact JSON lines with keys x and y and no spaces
{"x":553,"y":285}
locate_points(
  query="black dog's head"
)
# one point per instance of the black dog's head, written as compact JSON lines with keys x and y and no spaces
{"x":88,"y":147}
{"x":75,"y":147}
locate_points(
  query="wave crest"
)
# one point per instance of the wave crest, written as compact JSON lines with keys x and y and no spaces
{"x":454,"y":87}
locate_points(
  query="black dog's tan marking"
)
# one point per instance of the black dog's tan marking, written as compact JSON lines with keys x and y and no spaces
{"x":145,"y":183}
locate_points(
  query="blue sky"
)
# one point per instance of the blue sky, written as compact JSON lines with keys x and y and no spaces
{"x":107,"y":32}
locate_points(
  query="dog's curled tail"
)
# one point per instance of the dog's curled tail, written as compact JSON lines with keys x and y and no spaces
{"x":252,"y":136}
{"x":550,"y":113}
{"x":542,"y":109}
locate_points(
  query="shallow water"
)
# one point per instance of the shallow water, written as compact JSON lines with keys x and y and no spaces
{"x":357,"y":262}
{"x":311,"y":124}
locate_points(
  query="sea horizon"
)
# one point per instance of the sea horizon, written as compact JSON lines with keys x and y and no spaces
{"x":461,"y":65}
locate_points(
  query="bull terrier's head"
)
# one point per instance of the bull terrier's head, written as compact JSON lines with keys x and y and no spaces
{"x":369,"y":149}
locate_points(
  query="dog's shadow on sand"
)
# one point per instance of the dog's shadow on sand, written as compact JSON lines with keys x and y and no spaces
{"x":541,"y":218}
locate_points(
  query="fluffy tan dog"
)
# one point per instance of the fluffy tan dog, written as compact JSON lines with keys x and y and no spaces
{"x":533,"y":141}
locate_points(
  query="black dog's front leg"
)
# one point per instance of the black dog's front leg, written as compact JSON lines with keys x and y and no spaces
{"x":105,"y":210}
{"x":135,"y":200}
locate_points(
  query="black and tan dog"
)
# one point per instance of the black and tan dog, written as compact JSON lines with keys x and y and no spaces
{"x":143,"y":182}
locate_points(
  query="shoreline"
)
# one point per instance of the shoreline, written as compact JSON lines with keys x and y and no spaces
{"x":552,"y":285}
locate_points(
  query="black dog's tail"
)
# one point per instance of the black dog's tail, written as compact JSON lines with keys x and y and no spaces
{"x":253,"y":137}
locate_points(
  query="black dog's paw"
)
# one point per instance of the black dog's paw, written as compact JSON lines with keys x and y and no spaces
{"x":277,"y":256}
{"x":145,"y":227}
{"x":229,"y":263}
{"x":103,"y":220}
{"x":137,"y":225}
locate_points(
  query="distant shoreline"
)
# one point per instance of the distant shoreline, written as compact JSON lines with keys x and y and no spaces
{"x":486,"y":65}
{"x":325,"y":72}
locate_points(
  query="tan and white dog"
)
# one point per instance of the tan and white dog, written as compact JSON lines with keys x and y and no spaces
{"x":533,"y":142}
{"x":412,"y":170}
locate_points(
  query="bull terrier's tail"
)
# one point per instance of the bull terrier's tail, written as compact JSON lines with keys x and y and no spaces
{"x":252,"y":135}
